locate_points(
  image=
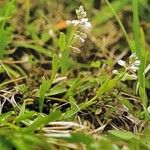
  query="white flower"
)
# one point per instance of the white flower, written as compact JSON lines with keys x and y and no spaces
{"x":73,"y":22}
{"x":133,"y":64}
{"x":137,"y":63}
{"x":131,"y":67}
{"x":148,"y":109}
{"x":81,"y":39}
{"x":83,"y":35}
{"x":133,"y":60}
{"x":115,"y":72}
{"x":133,"y":77}
{"x":75,"y":49}
{"x":133,"y":55}
{"x":81,"y":13}
{"x":68,"y":22}
{"x":82,"y":24}
{"x":122,"y":63}
{"x":85,"y":24}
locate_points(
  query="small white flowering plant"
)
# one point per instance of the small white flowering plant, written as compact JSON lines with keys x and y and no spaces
{"x":78,"y":34}
{"x":130,"y":68}
{"x":62,"y":61}
{"x":81,"y":25}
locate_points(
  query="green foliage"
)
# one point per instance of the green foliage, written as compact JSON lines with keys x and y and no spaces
{"x":134,"y":141}
{"x":5,"y":144}
{"x":7,"y":9}
{"x":108,"y":85}
{"x":114,"y":11}
{"x":41,"y":120}
{"x":104,"y":14}
{"x":37,"y":48}
{"x":135,"y":45}
{"x":5,"y":39}
{"x":81,"y":138}
{"x":62,"y":41}
{"x":96,"y":64}
{"x":142,"y":56}
{"x":46,"y":84}
{"x":24,"y":114}
{"x":64,"y":53}
{"x":6,"y":12}
{"x":74,"y":109}
{"x":57,"y":89}
{"x":43,"y":88}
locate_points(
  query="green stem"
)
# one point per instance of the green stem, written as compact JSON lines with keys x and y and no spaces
{"x":138,"y":50}
{"x":120,"y":23}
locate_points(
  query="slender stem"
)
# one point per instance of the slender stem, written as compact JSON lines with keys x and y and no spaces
{"x":138,"y":49}
{"x":120,"y":23}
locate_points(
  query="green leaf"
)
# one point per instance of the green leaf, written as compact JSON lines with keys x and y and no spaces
{"x":107,"y":86}
{"x":24,"y":114}
{"x":74,"y":108}
{"x":57,"y":89}
{"x":37,"y":48}
{"x":65,"y":62}
{"x":139,"y":49}
{"x":96,"y":64}
{"x":55,"y":63}
{"x":124,"y":135}
{"x":74,"y":84}
{"x":104,"y":144}
{"x":5,"y":115}
{"x":114,"y":12}
{"x":5,"y":144}
{"x":4,"y":18}
{"x":81,"y":138}
{"x":5,"y":39}
{"x":42,"y":92}
{"x":62,"y":41}
{"x":7,"y":9}
{"x":41,"y":121}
